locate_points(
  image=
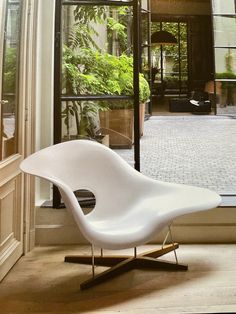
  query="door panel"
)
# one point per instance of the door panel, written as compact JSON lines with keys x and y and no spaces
{"x":11,"y":244}
{"x":11,"y":208}
{"x":200,"y":52}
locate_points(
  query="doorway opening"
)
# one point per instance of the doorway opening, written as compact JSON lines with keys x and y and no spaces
{"x":169,"y":64}
{"x":181,"y":69}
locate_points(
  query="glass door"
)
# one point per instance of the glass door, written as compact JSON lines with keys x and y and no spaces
{"x":169,"y":61}
{"x":97,"y":67}
{"x":11,"y":145}
{"x":9,"y":85}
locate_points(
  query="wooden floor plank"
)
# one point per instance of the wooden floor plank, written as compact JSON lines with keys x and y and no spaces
{"x":42,"y":283}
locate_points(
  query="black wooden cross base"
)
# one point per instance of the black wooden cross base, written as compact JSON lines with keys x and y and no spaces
{"x":120,"y":264}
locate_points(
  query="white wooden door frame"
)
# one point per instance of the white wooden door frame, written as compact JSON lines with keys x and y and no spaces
{"x":17,"y":190}
{"x":28,"y":81}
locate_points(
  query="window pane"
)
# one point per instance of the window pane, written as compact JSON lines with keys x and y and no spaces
{"x":224,"y":31}
{"x":109,"y":121}
{"x":226,"y":97}
{"x":97,"y":46}
{"x":10,"y":80}
{"x":224,"y":7}
{"x":225,"y":63}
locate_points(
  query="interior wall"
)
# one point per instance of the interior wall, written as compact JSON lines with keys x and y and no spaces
{"x":212,"y":226}
{"x":181,"y":7}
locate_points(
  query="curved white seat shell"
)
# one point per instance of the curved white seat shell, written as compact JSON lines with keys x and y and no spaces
{"x":130,"y":207}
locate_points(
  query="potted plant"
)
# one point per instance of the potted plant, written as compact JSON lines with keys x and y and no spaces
{"x":118,"y":120}
{"x":92,"y":72}
{"x":80,"y":117}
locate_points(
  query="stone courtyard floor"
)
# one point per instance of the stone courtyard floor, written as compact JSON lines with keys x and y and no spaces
{"x":194,"y":149}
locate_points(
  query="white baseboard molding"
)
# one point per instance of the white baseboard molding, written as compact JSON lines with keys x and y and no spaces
{"x":214,"y":226}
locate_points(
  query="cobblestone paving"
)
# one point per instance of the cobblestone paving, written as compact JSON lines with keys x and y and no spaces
{"x":196,"y":150}
{"x":229,"y":110}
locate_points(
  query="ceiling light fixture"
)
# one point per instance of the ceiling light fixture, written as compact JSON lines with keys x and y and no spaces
{"x":163,"y":38}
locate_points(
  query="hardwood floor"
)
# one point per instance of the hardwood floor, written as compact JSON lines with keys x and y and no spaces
{"x":42,"y":283}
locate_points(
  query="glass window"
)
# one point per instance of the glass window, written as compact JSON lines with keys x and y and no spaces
{"x":224,"y":21}
{"x":225,"y":63}
{"x":224,"y":31}
{"x":224,"y":7}
{"x":97,"y":50}
{"x":97,"y":65}
{"x":99,"y":78}
{"x":226,"y":97}
{"x":112,"y":123}
{"x":9,"y":103}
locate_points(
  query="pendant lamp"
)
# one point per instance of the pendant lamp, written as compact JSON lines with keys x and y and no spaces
{"x":163,"y":38}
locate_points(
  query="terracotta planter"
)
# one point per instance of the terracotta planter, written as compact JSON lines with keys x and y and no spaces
{"x":142,"y":107}
{"x":119,"y":125}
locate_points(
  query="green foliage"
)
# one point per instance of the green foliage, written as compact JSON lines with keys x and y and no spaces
{"x":88,"y":71}
{"x":229,"y":61}
{"x":85,"y":114}
{"x":93,"y":13}
{"x":83,"y":31}
{"x":82,"y":36}
{"x":229,"y":74}
{"x":92,"y":72}
{"x":144,"y":90}
{"x":118,"y":22}
{"x":10,"y":63}
{"x":173,"y":50}
{"x":225,"y":75}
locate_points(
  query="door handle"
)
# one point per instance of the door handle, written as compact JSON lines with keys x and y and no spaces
{"x":3,"y":102}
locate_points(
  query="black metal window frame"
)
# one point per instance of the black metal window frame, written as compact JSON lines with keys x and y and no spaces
{"x":147,"y":12}
{"x":59,"y":97}
{"x":220,"y":47}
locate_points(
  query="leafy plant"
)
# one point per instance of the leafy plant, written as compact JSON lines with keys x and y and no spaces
{"x":10,"y":70}
{"x":118,"y":24}
{"x":89,"y":71}
{"x":84,"y":32}
{"x":92,"y":72}
{"x":226,"y":75}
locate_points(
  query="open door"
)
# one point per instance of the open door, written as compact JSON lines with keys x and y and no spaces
{"x":11,"y":139}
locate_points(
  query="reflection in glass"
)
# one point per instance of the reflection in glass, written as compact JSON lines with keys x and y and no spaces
{"x":10,"y":80}
{"x":226,"y":97}
{"x":224,"y":31}
{"x":225,"y":63}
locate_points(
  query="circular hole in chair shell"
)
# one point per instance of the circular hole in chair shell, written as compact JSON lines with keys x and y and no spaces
{"x":86,"y":200}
